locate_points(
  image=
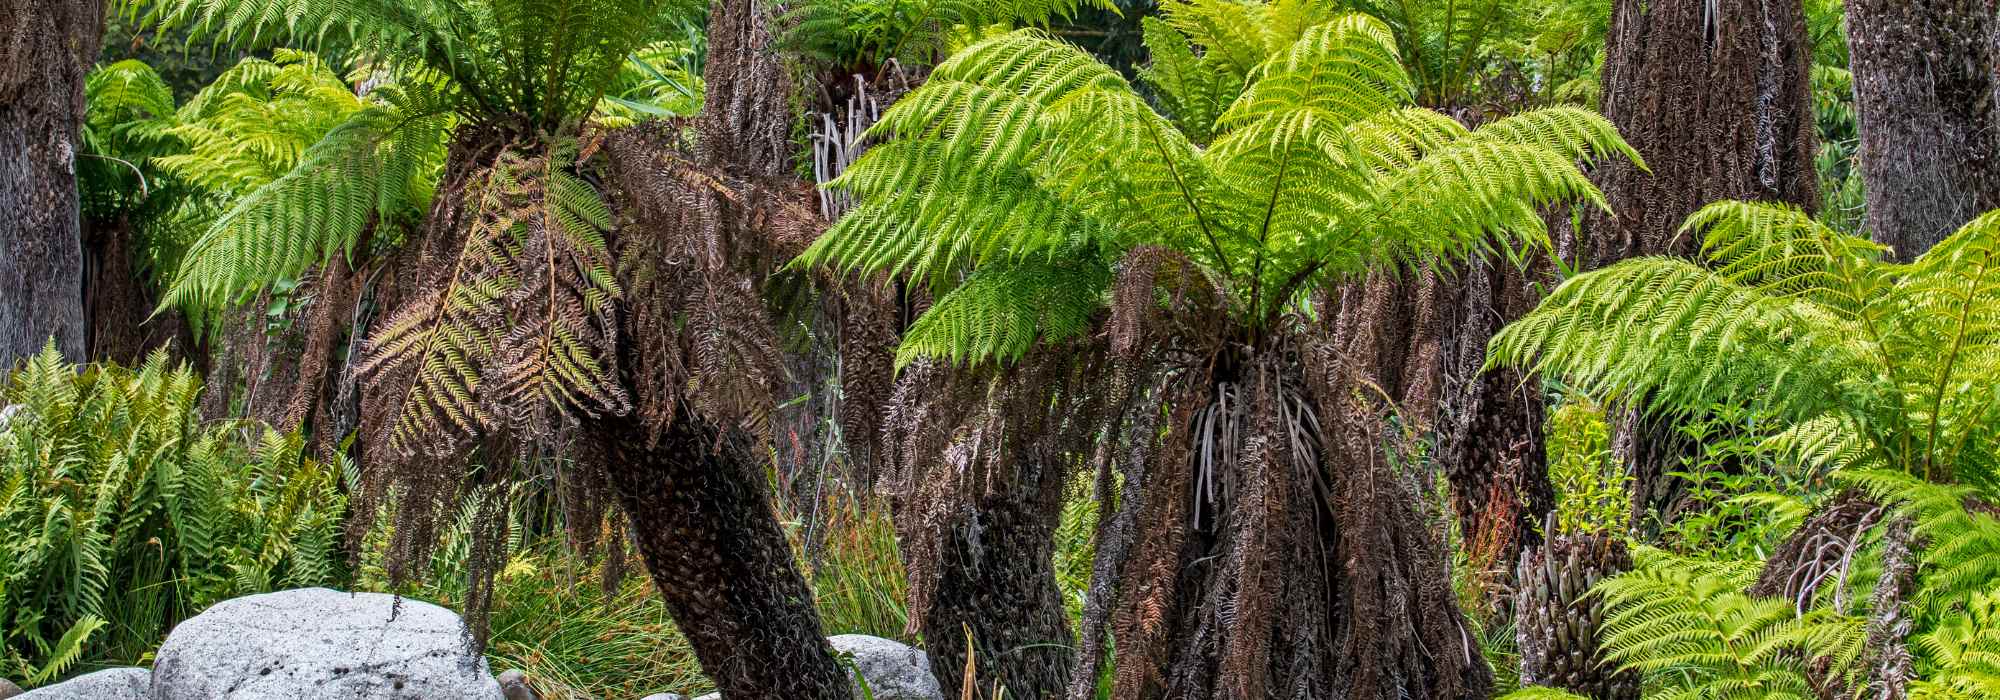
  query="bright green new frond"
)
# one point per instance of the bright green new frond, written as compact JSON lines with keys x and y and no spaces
{"x":1292,"y":158}
{"x":1680,"y":336}
{"x":1870,"y":363}
{"x":929,"y":221}
{"x":1576,"y":134}
{"x":1003,"y":310}
{"x":848,"y":32}
{"x":1345,"y":69}
{"x":126,"y":92}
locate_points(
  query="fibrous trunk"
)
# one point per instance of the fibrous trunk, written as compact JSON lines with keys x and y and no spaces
{"x":704,"y":527}
{"x":1715,"y":94}
{"x":977,"y":464}
{"x":46,"y":47}
{"x":1267,"y":541}
{"x":1559,"y":625}
{"x":1925,"y":75}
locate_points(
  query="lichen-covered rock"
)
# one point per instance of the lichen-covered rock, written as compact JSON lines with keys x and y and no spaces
{"x":109,"y":684}
{"x":894,"y":670}
{"x":321,"y":643}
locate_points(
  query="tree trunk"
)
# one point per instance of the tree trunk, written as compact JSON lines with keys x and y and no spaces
{"x":976,"y":466}
{"x":1715,"y":95}
{"x":704,"y":526}
{"x":996,"y":580}
{"x":46,"y":48}
{"x":1489,"y":427}
{"x":120,"y":303}
{"x":1925,"y":77}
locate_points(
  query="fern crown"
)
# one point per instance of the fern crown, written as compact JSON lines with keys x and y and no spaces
{"x":1289,"y":155}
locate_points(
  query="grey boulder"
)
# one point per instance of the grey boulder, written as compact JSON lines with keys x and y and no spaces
{"x":894,"y":670}
{"x":109,"y":684}
{"x":8,"y":689}
{"x":320,"y":643}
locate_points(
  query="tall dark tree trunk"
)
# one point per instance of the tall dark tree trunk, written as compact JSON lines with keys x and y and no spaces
{"x":704,"y":234}
{"x":704,"y":526}
{"x":46,"y":49}
{"x":977,"y":465}
{"x":1925,"y":76}
{"x":119,"y":302}
{"x":1715,"y":95}
{"x":1489,"y":424}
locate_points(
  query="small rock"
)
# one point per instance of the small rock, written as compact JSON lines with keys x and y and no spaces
{"x":7,"y":414}
{"x":514,"y":686}
{"x":109,"y":684}
{"x":665,"y":696}
{"x":321,"y":643}
{"x":894,"y":670}
{"x":8,"y":689}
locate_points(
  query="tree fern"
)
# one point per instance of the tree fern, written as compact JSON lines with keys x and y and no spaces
{"x":1291,"y":157}
{"x":1867,"y":362}
{"x":872,"y":32}
{"x":512,"y":329}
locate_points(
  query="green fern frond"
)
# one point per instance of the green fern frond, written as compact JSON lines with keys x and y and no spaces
{"x":1293,"y":158}
{"x":985,"y":319}
{"x":1865,"y":361}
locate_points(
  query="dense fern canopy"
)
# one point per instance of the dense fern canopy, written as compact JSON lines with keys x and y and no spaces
{"x":1289,"y":155}
{"x":1869,"y":363}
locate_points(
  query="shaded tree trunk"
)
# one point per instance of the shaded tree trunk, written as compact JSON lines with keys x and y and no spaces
{"x":686,"y":472}
{"x":119,"y":302}
{"x":704,"y":526}
{"x":1925,"y":75}
{"x":1715,"y":95}
{"x":1490,"y":442}
{"x":46,"y":49}
{"x":976,"y":467}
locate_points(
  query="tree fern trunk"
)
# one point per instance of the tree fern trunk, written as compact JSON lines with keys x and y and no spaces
{"x":1715,"y":95}
{"x":704,"y":526}
{"x":996,"y":580}
{"x":119,"y":302}
{"x":1925,"y":77}
{"x":46,"y":48}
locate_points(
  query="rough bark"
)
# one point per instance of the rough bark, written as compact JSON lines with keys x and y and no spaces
{"x":996,"y":579}
{"x":46,"y":48}
{"x":1715,"y":95}
{"x":704,"y":526}
{"x":1558,"y":621}
{"x":1925,"y":75}
{"x":976,"y":467}
{"x":1490,"y":441}
{"x":119,"y":303}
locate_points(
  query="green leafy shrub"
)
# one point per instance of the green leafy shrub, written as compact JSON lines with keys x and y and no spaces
{"x":121,"y":514}
{"x":1592,"y":490}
